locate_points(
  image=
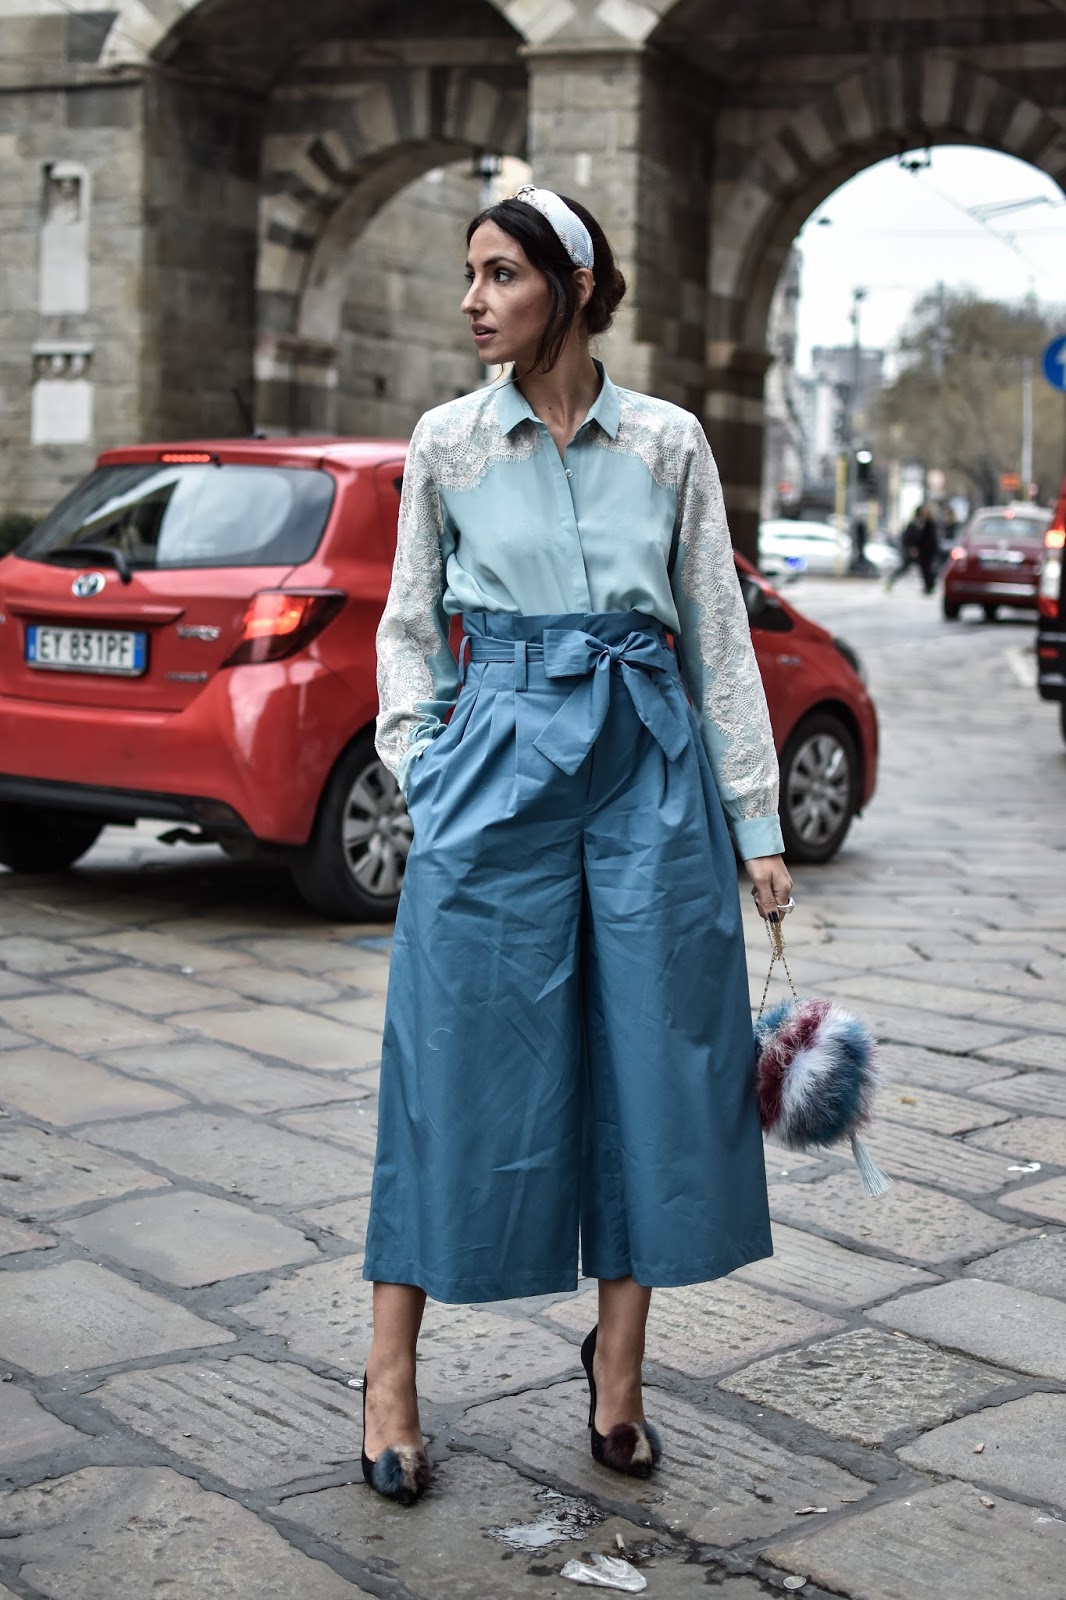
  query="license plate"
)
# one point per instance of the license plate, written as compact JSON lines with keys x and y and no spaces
{"x":87,"y":650}
{"x":1002,"y":558}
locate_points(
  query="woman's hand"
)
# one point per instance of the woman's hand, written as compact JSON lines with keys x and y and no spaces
{"x":772,"y":883}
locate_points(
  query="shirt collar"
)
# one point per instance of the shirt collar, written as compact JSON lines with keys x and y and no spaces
{"x":512,"y":407}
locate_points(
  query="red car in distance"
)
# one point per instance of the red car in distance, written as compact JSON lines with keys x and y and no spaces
{"x":997,"y":560}
{"x":189,"y":637}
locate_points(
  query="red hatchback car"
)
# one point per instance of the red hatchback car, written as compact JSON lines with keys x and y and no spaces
{"x":997,"y":561}
{"x":189,"y":636}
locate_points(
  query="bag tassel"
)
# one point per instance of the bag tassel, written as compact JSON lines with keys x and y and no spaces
{"x":872,"y":1178}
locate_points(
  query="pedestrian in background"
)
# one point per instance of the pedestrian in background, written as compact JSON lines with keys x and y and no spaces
{"x":949,"y":532}
{"x":859,"y":536}
{"x":568,"y":1045}
{"x":921,"y":546}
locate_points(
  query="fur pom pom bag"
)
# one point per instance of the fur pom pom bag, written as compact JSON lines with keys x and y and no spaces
{"x":816,"y":1073}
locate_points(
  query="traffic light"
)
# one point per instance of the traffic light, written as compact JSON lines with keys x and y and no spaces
{"x":864,"y":469}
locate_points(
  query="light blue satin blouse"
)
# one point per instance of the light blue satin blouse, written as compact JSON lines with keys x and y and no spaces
{"x":492,"y":518}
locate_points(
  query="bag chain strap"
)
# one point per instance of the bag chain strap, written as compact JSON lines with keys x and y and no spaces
{"x":776,"y":934}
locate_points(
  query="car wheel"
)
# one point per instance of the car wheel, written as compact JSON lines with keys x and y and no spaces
{"x":819,"y":785}
{"x":991,"y":613}
{"x":951,"y":611}
{"x":36,"y":839}
{"x":353,"y":866}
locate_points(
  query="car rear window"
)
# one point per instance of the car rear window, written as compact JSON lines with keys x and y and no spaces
{"x":1024,"y":527}
{"x":191,"y":515}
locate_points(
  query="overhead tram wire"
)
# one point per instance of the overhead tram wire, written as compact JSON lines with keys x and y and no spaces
{"x":1008,"y":240}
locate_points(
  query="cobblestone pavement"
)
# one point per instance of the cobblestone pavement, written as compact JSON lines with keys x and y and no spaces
{"x":187,"y":1070}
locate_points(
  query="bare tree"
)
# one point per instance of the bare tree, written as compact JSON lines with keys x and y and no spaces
{"x":956,"y":403}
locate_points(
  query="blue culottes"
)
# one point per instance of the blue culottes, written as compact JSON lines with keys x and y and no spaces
{"x":568,"y":1043}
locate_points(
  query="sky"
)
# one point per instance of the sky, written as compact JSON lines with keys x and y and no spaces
{"x":897,"y":234}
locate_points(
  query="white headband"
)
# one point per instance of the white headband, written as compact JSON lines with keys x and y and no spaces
{"x":567,"y":225}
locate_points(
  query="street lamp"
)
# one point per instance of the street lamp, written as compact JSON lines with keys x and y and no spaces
{"x":845,"y":495}
{"x":486,"y":166}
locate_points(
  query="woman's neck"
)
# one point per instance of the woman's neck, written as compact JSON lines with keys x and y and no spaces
{"x":563,"y":397}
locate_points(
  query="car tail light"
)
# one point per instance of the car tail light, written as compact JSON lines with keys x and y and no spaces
{"x":958,"y":553}
{"x":188,"y":458}
{"x":279,"y":622}
{"x":1055,"y":538}
{"x":1047,"y":598}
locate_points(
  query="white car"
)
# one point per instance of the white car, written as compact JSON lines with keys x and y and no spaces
{"x":787,"y":546}
{"x":881,"y":555}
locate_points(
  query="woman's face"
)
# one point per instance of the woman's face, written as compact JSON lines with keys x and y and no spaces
{"x":507,"y":302}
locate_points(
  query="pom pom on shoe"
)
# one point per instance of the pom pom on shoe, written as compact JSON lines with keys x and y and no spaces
{"x":632,"y":1447}
{"x":401,"y":1474}
{"x":817,"y":1076}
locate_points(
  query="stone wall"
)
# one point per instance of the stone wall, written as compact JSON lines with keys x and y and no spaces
{"x":70,"y":241}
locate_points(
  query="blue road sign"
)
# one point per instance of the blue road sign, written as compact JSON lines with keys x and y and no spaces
{"x":1055,"y":362}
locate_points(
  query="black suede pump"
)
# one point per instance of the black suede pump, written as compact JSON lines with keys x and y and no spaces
{"x":401,"y":1473}
{"x":630,"y":1447}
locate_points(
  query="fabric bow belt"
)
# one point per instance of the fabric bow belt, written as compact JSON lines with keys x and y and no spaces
{"x":575,"y":727}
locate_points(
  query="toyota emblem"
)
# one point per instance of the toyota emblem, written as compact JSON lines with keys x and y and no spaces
{"x":86,"y":584}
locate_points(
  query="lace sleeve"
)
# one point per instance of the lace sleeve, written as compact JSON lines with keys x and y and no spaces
{"x":718,"y":660}
{"x":417,"y":675}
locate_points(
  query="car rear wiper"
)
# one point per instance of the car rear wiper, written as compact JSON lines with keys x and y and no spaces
{"x":73,"y":554}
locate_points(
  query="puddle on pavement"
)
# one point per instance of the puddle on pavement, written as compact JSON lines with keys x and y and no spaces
{"x":564,"y":1517}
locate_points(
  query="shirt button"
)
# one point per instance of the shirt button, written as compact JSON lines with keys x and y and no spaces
{"x":569,"y":473}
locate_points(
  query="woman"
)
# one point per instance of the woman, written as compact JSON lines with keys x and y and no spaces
{"x":568,"y":1041}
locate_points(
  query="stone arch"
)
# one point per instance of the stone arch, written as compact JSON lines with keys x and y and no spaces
{"x":141,"y":30}
{"x":890,"y":105}
{"x":322,"y":187}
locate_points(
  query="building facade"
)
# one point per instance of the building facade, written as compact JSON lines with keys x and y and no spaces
{"x":188,"y":188}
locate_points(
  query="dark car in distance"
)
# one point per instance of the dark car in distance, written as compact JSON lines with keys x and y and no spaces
{"x":1051,"y":629}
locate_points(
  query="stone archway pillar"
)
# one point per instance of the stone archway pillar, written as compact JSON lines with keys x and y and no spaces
{"x":619,"y":129}
{"x":733,"y":415}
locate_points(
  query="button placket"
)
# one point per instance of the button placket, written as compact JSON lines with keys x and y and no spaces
{"x":563,"y":480}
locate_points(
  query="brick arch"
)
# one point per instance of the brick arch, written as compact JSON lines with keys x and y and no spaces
{"x":892,"y":104}
{"x":321,"y":188}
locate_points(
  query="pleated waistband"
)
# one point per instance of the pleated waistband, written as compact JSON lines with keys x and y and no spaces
{"x":608,"y":626}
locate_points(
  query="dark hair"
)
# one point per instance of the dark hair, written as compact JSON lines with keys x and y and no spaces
{"x":546,"y":253}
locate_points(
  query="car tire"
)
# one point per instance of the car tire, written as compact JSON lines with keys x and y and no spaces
{"x":820,"y":785}
{"x":951,"y":611}
{"x":37,"y":839}
{"x":352,"y":867}
{"x":991,"y":613}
